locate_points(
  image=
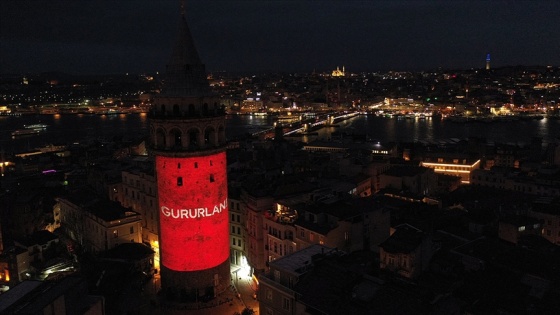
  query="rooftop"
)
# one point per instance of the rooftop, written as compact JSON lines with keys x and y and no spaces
{"x":106,"y":210}
{"x":405,"y":239}
{"x":297,"y":262}
{"x":405,"y":171}
{"x":16,"y":293}
{"x":130,"y":252}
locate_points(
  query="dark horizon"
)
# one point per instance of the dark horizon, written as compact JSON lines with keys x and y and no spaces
{"x":236,"y":36}
{"x":261,"y":72}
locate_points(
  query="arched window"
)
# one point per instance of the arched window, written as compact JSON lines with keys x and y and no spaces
{"x":221,"y":135}
{"x":160,"y":139}
{"x":176,"y":110}
{"x":193,"y":139}
{"x":175,"y":138}
{"x":209,"y":136}
{"x":163,"y":109}
{"x":191,"y":110}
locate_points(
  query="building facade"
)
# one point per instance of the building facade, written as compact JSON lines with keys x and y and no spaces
{"x":139,"y":193}
{"x":276,"y":293}
{"x":238,"y":236}
{"x":456,"y":166}
{"x":97,"y":224}
{"x":406,"y":252}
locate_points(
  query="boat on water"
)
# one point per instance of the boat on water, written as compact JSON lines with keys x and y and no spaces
{"x":36,"y":126}
{"x":28,"y":130}
{"x":24,"y":132}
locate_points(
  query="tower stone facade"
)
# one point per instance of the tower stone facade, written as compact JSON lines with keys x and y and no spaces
{"x":187,"y":130}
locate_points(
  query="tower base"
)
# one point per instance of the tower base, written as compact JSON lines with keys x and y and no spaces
{"x":195,"y":286}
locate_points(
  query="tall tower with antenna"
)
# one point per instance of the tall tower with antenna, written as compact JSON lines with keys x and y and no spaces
{"x":487,"y":61}
{"x":187,"y":138}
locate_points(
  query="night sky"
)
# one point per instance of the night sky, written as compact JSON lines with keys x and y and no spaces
{"x":117,"y":36}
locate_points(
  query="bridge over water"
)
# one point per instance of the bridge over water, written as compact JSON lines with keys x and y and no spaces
{"x":307,"y":126}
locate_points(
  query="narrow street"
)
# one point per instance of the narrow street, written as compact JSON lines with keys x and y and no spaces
{"x":240,"y":294}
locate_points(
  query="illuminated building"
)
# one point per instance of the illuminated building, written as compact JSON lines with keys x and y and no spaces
{"x":21,"y":259}
{"x":546,"y":210}
{"x":258,"y":200}
{"x":488,"y":62}
{"x":338,"y":72}
{"x":238,"y":236}
{"x":322,"y":218}
{"x":453,"y":166}
{"x":187,"y":131}
{"x":4,"y":110}
{"x":512,"y":228}
{"x":1,"y":236}
{"x":252,"y":105}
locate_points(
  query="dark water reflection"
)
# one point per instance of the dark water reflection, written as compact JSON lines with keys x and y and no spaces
{"x":71,"y":128}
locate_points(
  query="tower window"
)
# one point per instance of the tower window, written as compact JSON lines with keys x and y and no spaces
{"x":178,"y":165}
{"x":210,"y":162}
{"x":195,"y":164}
{"x":211,"y":178}
{"x":179,"y":181}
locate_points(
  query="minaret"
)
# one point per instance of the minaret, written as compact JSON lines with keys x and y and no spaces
{"x":187,"y":134}
{"x":487,"y":61}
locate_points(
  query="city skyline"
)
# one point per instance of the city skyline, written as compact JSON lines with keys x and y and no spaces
{"x":255,"y":36}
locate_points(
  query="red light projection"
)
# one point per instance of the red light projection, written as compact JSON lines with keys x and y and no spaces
{"x":193,"y":211}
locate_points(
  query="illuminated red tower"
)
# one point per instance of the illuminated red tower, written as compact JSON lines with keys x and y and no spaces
{"x":187,"y":130}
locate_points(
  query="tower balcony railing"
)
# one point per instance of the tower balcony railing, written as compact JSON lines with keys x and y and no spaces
{"x":189,"y":148}
{"x":158,"y":114}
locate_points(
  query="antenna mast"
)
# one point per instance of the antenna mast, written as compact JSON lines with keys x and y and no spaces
{"x":182,"y":9}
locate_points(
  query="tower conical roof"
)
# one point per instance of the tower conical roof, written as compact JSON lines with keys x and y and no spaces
{"x":184,"y":50}
{"x":186,"y":74}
